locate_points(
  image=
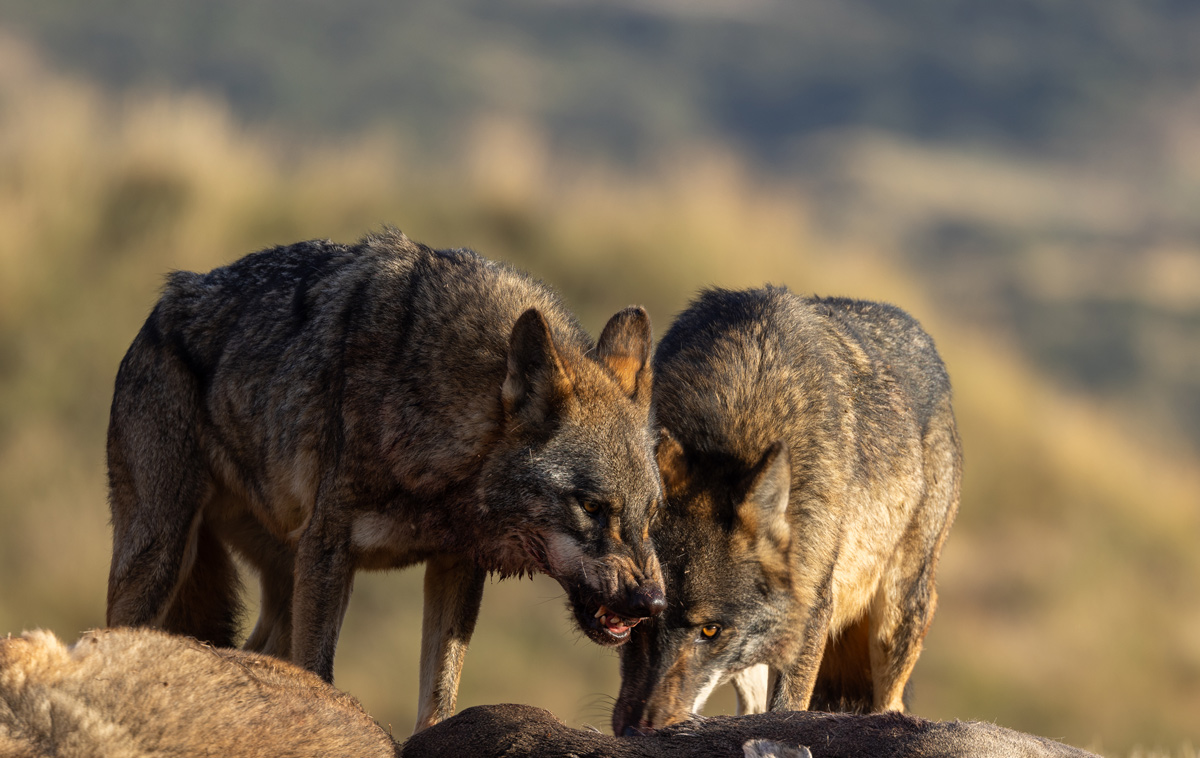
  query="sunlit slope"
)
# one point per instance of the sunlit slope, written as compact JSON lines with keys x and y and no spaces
{"x":1070,"y":586}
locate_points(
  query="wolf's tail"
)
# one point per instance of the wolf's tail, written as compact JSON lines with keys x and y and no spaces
{"x":168,"y":568}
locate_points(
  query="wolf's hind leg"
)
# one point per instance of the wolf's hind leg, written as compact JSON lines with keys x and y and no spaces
{"x":900,"y":616}
{"x":453,"y":593}
{"x":275,"y":563}
{"x":844,"y":681}
{"x":751,"y":687}
{"x":207,"y":603}
{"x":905,"y":602}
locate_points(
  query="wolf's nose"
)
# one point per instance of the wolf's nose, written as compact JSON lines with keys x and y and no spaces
{"x":647,"y":601}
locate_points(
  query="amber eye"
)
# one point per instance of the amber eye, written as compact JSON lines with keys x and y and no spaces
{"x":591,"y":506}
{"x":711,"y":631}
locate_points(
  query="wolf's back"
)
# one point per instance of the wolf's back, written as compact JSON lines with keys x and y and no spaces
{"x":318,"y":293}
{"x":898,"y":342}
{"x":283,"y":346}
{"x":758,"y":360}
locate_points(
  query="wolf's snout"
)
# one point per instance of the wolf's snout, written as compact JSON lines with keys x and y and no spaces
{"x":639,"y":601}
{"x":645,"y":602}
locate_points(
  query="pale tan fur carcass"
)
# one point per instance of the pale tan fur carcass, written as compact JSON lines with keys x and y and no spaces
{"x":134,"y":693}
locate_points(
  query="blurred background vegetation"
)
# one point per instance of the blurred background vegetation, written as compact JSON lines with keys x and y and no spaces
{"x":1023,"y":177}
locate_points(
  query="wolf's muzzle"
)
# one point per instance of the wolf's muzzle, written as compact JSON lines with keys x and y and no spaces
{"x":646,"y":601}
{"x":642,"y":601}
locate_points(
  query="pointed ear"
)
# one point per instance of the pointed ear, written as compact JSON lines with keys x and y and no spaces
{"x":536,"y":383}
{"x":672,"y":463}
{"x":763,"y":510}
{"x":624,"y":349}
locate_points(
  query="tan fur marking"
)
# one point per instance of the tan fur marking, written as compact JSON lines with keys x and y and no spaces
{"x":672,"y":466}
{"x":625,"y":370}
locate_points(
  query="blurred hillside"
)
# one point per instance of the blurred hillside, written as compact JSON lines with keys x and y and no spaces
{"x":1070,"y":587}
{"x":904,"y":121}
{"x":630,"y":78}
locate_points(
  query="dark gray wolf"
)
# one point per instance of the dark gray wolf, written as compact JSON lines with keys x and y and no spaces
{"x":811,"y":468}
{"x":324,"y":408}
{"x":492,"y":731}
{"x":128,"y":693}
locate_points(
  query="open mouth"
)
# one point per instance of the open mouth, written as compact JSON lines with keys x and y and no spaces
{"x":597,"y":619}
{"x":613,"y":625}
{"x":605,"y":604}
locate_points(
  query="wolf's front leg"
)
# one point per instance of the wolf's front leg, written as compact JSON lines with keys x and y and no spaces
{"x":324,"y":576}
{"x":453,"y":593}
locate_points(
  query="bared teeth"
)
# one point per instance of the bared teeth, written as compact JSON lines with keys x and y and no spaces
{"x":612,"y":620}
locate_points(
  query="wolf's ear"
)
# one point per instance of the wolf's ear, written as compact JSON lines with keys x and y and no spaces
{"x":624,"y":348}
{"x":764,"y":508}
{"x":536,"y":383}
{"x":672,"y":463}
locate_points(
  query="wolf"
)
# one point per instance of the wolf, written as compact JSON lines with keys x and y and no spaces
{"x":128,"y":693}
{"x":322,"y":408}
{"x":811,"y":467}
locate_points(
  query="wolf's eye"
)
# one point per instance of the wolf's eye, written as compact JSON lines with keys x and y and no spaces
{"x":710,"y":631}
{"x":590,"y":506}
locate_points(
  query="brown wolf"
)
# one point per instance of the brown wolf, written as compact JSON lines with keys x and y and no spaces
{"x":125,"y":693}
{"x":811,"y":467}
{"x":492,"y":731}
{"x":324,"y":408}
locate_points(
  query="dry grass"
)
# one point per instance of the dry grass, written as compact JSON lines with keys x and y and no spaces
{"x":1070,"y":588}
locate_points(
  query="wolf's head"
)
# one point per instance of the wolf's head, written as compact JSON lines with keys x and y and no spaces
{"x":575,"y":480}
{"x":725,"y":542}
